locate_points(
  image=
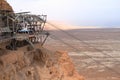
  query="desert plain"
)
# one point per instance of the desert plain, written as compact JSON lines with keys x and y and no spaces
{"x":95,"y":51}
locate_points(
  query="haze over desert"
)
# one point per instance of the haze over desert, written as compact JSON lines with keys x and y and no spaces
{"x":66,"y":26}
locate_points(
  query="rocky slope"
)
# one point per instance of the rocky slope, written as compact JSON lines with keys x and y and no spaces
{"x":5,"y":6}
{"x":38,"y":64}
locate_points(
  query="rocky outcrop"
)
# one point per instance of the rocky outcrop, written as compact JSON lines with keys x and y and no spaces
{"x":5,"y":6}
{"x":39,"y":64}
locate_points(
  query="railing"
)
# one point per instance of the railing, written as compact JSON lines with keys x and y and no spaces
{"x":24,"y":26}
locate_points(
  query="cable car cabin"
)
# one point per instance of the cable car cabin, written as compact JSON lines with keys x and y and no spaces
{"x":22,"y":28}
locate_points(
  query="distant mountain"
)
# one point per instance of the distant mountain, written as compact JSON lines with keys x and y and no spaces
{"x":53,"y":25}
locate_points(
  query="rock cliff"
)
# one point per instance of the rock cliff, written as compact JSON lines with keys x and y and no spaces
{"x":39,"y":64}
{"x":5,"y":6}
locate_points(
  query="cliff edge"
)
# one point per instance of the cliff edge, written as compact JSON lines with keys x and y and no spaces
{"x":39,"y":64}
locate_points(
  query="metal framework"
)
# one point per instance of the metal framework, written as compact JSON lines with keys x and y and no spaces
{"x":21,"y":28}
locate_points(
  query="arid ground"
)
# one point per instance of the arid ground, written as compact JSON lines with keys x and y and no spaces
{"x":95,"y":52}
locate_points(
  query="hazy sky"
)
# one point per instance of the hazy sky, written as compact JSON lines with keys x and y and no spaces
{"x":105,"y":13}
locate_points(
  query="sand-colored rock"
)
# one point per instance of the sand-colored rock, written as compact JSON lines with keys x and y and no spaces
{"x":66,"y":67}
{"x":5,"y":6}
{"x":39,"y":64}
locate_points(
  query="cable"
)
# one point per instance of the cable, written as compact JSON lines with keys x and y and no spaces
{"x":54,"y":37}
{"x":81,"y":40}
{"x":66,"y":44}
